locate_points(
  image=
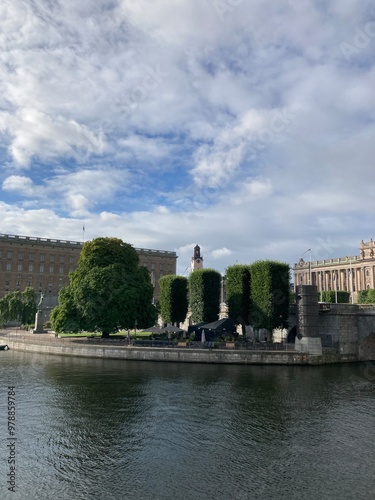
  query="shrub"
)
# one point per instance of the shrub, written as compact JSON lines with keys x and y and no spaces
{"x":330,"y":296}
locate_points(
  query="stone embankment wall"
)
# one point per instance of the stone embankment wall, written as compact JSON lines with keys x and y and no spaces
{"x":348,"y":328}
{"x":184,"y":355}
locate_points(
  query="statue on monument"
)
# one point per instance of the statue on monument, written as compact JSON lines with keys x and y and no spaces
{"x":40,"y":302}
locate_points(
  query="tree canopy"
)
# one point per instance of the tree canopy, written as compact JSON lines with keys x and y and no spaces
{"x":269,"y":293}
{"x":173,"y":298}
{"x":109,"y":290}
{"x":19,"y":306}
{"x":238,"y":294}
{"x":204,"y":295}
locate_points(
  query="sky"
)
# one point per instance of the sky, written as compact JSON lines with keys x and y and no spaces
{"x":246,"y":126}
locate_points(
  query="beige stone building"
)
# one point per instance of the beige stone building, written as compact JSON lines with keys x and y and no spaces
{"x":351,"y":274}
{"x":45,"y":264}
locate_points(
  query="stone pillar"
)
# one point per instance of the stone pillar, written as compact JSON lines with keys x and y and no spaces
{"x":39,"y":321}
{"x":308,"y":339}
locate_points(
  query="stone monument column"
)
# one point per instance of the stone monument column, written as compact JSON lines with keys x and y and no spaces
{"x":39,"y":316}
{"x":308,"y":339}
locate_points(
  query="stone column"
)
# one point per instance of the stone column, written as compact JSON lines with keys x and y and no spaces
{"x":308,"y":339}
{"x":39,"y":323}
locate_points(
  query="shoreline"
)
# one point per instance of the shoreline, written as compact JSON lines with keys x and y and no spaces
{"x":48,"y":344}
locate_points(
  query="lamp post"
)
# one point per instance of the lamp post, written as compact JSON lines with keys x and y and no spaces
{"x":308,"y":250}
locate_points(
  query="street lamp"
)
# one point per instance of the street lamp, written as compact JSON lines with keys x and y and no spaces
{"x":308,"y":250}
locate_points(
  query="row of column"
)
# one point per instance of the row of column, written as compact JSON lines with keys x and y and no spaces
{"x":347,"y":279}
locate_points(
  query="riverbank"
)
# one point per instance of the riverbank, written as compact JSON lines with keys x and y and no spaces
{"x":49,"y":344}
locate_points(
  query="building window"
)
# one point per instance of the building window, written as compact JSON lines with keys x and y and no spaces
{"x":41,"y":268}
{"x":153,"y":266}
{"x":71,"y":269}
{"x":71,"y":260}
{"x":42,"y":257}
{"x":52,"y":258}
{"x":161,"y":267}
{"x":9,"y":255}
{"x":9,"y":266}
{"x":29,"y":283}
{"x":62,"y":259}
{"x":31,"y":256}
{"x":51,"y":269}
{"x":20,"y":255}
{"x":31,"y":268}
{"x":19,"y":267}
{"x":61,"y":270}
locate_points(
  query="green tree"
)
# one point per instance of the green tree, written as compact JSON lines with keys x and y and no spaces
{"x":366,"y":296}
{"x":238,"y":294}
{"x":65,"y":317}
{"x":19,"y":306}
{"x":330,"y":296}
{"x":270,"y":294}
{"x":204,"y":295}
{"x":173,"y":298}
{"x":109,"y":290}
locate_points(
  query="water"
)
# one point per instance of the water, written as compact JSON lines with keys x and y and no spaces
{"x":106,"y":429}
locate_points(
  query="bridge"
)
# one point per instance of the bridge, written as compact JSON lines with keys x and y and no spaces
{"x":349,"y":329}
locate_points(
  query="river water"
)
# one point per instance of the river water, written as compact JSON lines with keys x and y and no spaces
{"x":107,"y":429}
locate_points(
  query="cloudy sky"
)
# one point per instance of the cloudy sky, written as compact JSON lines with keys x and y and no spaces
{"x":247,"y":126}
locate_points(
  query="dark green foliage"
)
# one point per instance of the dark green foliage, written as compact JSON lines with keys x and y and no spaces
{"x":18,"y":306}
{"x":270,"y":294}
{"x":238,"y":294}
{"x":107,"y":291}
{"x":330,"y":296}
{"x":65,"y":317}
{"x":204,"y":295}
{"x":173,"y":298}
{"x":366,"y":296}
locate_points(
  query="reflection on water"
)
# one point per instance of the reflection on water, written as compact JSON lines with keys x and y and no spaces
{"x":106,"y":429}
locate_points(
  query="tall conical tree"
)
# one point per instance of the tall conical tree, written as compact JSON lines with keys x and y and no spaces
{"x":270,"y":294}
{"x":204,"y":295}
{"x":238,"y":294}
{"x":173,"y":298}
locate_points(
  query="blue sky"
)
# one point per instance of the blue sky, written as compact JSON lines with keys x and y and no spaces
{"x":245,"y":126}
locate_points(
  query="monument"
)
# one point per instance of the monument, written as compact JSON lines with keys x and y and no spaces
{"x":39,"y":317}
{"x":308,"y":339}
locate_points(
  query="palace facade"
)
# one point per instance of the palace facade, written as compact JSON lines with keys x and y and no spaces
{"x":45,"y":264}
{"x":351,"y":274}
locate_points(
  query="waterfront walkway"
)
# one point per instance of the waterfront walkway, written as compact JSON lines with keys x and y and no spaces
{"x":122,"y":349}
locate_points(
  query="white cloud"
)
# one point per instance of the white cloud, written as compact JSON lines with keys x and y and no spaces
{"x":220,"y":252}
{"x":47,"y":137}
{"x":20,"y":184}
{"x":168,"y":124}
